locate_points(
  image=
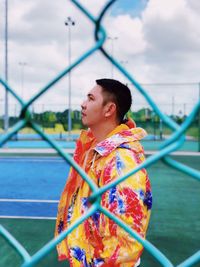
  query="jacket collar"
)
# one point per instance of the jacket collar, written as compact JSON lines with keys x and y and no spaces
{"x":120,"y":136}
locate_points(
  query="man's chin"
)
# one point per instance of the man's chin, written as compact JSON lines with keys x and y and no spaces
{"x":84,"y":122}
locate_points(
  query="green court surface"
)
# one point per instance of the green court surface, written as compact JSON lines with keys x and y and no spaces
{"x":174,"y":227}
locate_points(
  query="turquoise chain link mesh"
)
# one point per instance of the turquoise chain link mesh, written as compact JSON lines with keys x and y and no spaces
{"x":172,"y":144}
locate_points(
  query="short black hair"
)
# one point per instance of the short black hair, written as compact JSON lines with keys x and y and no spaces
{"x":119,"y":93}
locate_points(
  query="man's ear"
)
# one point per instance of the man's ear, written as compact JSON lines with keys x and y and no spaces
{"x":110,"y":109}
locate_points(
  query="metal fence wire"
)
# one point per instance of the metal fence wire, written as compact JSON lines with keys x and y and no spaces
{"x":172,"y":144}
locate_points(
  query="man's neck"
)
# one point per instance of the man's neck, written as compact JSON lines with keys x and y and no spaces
{"x":100,"y":132}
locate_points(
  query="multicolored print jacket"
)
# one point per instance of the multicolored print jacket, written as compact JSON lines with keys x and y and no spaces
{"x":99,"y":241}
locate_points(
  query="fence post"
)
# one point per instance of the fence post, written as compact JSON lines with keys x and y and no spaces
{"x":6,"y":115}
{"x":199,"y":123}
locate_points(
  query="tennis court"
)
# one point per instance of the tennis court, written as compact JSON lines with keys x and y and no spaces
{"x":31,"y":186}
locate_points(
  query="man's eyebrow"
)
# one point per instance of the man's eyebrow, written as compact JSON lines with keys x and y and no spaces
{"x":90,"y":95}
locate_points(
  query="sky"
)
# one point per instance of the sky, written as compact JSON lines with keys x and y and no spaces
{"x":158,"y":42}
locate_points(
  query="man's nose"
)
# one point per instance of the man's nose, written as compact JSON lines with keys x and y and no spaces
{"x":83,"y":105}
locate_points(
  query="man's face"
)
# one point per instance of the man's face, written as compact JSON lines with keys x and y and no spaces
{"x":93,"y":108}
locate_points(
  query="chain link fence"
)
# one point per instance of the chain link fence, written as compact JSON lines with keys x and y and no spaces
{"x":172,"y":144}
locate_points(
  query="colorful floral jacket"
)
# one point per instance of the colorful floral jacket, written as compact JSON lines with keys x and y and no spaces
{"x":98,"y":241}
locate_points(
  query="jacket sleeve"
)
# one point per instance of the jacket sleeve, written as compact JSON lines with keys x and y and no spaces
{"x":130,"y":201}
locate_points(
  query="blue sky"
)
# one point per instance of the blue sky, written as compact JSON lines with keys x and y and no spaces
{"x":131,"y":7}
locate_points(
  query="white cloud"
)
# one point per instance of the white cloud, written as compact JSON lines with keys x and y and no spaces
{"x":160,"y":46}
{"x":129,"y":33}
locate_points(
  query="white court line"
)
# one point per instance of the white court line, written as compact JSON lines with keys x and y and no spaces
{"x":28,"y":200}
{"x":27,"y":217}
{"x":31,"y":159}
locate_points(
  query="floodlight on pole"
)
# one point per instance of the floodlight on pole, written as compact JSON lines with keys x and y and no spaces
{"x":69,"y":23}
{"x":112,"y":39}
{"x":124,"y":62}
{"x":1,"y":105}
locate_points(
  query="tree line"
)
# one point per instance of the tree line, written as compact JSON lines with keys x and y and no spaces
{"x":48,"y":119}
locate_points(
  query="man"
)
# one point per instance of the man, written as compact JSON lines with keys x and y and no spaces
{"x":108,"y":150}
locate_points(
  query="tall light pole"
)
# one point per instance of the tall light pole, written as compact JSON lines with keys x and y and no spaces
{"x":69,"y":23}
{"x":6,"y":122}
{"x":1,"y":107}
{"x":112,"y":39}
{"x":124,"y":62}
{"x":173,"y":104}
{"x":22,"y":65}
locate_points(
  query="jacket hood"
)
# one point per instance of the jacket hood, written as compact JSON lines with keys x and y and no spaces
{"x":121,"y":136}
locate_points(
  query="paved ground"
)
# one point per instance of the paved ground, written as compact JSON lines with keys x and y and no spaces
{"x":51,"y":151}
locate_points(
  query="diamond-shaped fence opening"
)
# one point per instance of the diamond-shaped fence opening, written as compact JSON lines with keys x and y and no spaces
{"x":172,"y":144}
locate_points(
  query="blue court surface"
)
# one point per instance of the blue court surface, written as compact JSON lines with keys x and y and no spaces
{"x":31,"y":186}
{"x":38,"y":144}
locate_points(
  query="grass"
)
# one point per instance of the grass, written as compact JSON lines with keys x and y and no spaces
{"x":194,"y":132}
{"x":56,"y":130}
